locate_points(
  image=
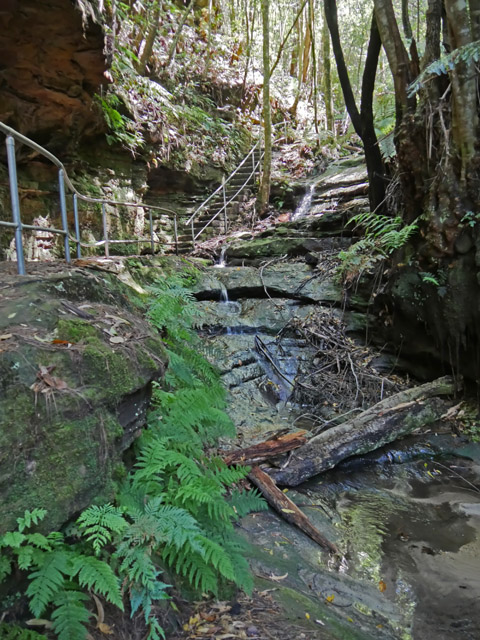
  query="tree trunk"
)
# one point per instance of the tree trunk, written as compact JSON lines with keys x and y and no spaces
{"x":267,"y":115}
{"x":362,"y":121}
{"x":327,"y":77}
{"x":383,"y":423}
{"x":149,"y":41}
{"x":173,"y":46}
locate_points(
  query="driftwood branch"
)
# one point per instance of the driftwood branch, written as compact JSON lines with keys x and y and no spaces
{"x":386,"y":421}
{"x":267,"y":449}
{"x":286,"y":508}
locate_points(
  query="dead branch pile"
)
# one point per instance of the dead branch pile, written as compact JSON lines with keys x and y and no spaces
{"x":341,"y":375}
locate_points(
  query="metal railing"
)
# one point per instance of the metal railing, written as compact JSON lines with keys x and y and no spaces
{"x":64,"y":181}
{"x":222,"y":189}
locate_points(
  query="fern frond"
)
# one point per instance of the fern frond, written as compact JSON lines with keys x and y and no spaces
{"x":69,"y":615}
{"x":13,"y":632}
{"x":99,"y":523}
{"x":98,"y":576}
{"x":244,"y":502}
{"x":5,"y":567}
{"x":47,"y":581}
{"x":30,"y":517}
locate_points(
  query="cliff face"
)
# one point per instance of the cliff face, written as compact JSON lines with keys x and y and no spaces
{"x":50,"y":68}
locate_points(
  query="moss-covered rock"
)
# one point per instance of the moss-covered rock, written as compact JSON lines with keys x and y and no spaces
{"x":77,"y":359}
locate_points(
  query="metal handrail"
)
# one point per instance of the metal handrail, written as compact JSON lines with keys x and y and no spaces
{"x":217,"y":191}
{"x":223,"y":209}
{"x":63,"y":179}
{"x":221,"y":188}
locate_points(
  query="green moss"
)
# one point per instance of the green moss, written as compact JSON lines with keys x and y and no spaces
{"x":108,"y":372}
{"x":75,"y":330}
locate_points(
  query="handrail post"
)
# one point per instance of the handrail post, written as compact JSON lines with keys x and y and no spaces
{"x":152,"y":243}
{"x":253,"y":162}
{"x":175,"y":231}
{"x":77,"y":225}
{"x":12,"y":174}
{"x":225,"y":218}
{"x":105,"y":230}
{"x":193,"y":236}
{"x":63,"y":211}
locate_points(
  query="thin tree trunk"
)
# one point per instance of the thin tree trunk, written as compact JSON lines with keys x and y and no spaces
{"x":373,"y":157}
{"x":287,"y":35}
{"x":149,"y":41}
{"x":314,"y":64}
{"x":267,"y":116}
{"x":307,"y":45}
{"x":209,"y":37}
{"x":327,"y":77}
{"x":173,"y":46}
{"x":464,"y":116}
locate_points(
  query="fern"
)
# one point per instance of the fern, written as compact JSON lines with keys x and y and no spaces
{"x":31,"y":517}
{"x":100,"y":524}
{"x":95,"y":574}
{"x":47,"y":581}
{"x":14,"y":632}
{"x":70,"y":615}
{"x":466,"y":54}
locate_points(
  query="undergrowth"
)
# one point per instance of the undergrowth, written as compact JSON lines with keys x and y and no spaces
{"x":383,"y":236}
{"x":176,"y":510}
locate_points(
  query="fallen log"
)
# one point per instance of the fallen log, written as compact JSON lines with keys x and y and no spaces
{"x":386,"y":421}
{"x":286,"y":508}
{"x":267,"y":449}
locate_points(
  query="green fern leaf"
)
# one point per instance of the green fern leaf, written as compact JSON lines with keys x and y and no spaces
{"x":96,"y":575}
{"x":99,"y":523}
{"x":5,"y":567}
{"x":47,"y":581}
{"x":30,"y":517}
{"x":70,"y":615}
{"x":13,"y":632}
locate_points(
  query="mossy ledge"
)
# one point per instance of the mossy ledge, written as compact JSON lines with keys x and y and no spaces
{"x":77,"y":359}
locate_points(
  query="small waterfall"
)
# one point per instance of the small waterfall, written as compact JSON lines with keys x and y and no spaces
{"x":224,"y":294}
{"x":222,"y":261}
{"x":304,"y":206}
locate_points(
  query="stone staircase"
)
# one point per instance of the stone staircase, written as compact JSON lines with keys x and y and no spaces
{"x":215,"y":214}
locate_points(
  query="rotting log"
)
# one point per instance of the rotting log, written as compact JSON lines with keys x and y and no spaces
{"x":286,"y":508}
{"x":386,"y":421}
{"x":266,"y":449}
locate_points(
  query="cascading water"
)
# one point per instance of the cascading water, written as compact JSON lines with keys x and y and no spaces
{"x":222,"y":261}
{"x":304,"y":206}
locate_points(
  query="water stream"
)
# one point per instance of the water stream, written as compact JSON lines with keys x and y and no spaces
{"x":406,"y":518}
{"x":305,"y":204}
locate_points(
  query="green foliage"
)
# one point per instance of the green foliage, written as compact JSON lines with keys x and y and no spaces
{"x":57,"y":574}
{"x":13,"y":632}
{"x":177,"y":507}
{"x":428,"y":278}
{"x":383,"y":235}
{"x":466,"y":54}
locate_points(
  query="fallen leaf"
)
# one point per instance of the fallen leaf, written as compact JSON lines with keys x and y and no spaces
{"x":278,"y":577}
{"x":39,"y":622}
{"x":116,"y":339}
{"x":6,"y":336}
{"x":320,"y":622}
{"x":104,"y":628}
{"x":62,"y":342}
{"x":288,"y":510}
{"x":12,"y":315}
{"x":330,"y":598}
{"x":382,"y":586}
{"x":307,"y":616}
